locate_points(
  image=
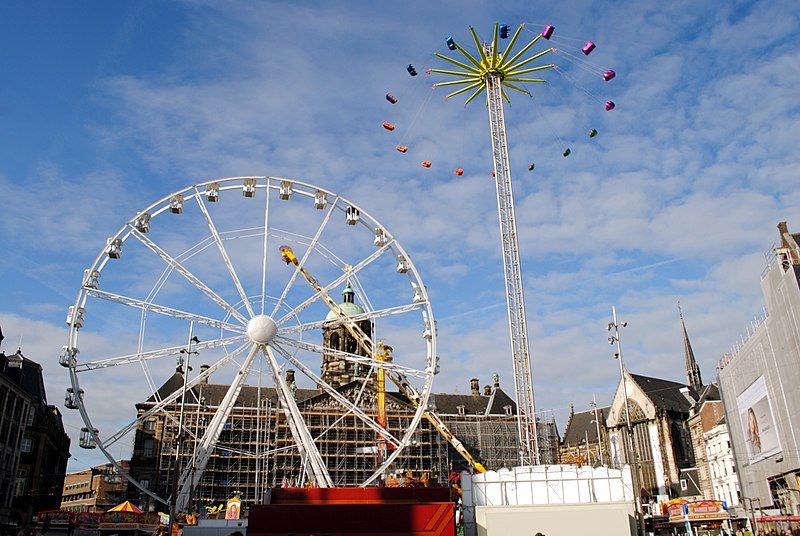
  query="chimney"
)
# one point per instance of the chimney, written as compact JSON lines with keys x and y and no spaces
{"x":782,"y":230}
{"x":487,"y":390}
{"x":475,"y":386}
{"x":204,"y":368}
{"x":496,"y":380}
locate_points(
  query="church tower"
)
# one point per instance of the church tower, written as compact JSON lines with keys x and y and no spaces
{"x":336,"y":370}
{"x":693,"y":378}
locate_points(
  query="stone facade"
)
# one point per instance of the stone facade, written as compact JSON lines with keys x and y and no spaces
{"x":34,"y":448}
{"x":706,"y":414}
{"x":721,"y":467}
{"x":659,"y":412}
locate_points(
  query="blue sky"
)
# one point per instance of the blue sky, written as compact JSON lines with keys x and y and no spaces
{"x":109,"y":106}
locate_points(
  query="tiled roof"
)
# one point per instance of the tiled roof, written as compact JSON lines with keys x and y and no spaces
{"x":581,"y":427}
{"x":443,"y":403}
{"x":665,"y":394}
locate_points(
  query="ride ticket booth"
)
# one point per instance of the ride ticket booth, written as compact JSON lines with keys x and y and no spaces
{"x":699,"y":518}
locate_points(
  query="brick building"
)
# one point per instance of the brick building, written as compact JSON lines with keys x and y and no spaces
{"x":96,"y":489}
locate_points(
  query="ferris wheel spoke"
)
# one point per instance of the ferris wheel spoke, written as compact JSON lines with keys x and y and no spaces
{"x":162,"y":309}
{"x":266,"y":241}
{"x":338,"y":281}
{"x":302,"y":263}
{"x":353,"y":358}
{"x":206,"y":445}
{"x":155,"y":248}
{"x":336,"y":395}
{"x":369,"y":315}
{"x":169,"y":399}
{"x":155,"y":354}
{"x":228,"y":264}
{"x":300,"y":432}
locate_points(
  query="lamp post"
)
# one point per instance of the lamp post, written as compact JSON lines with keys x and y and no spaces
{"x":752,"y":512}
{"x":628,"y":444}
{"x":593,"y":404}
{"x":179,"y":436}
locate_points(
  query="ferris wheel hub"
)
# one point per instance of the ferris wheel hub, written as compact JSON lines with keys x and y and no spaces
{"x":261,"y":329}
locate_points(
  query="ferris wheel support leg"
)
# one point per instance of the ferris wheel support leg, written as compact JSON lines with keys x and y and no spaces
{"x":302,"y":437}
{"x":191,"y":475}
{"x":523,"y":384}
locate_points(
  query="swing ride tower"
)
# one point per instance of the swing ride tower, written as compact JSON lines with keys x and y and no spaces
{"x":492,"y":71}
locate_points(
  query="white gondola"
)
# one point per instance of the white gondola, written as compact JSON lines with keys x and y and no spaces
{"x":91,"y":279}
{"x":142,"y":222}
{"x":71,"y":400}
{"x":419,"y":297}
{"x":380,"y":237}
{"x":114,"y":247}
{"x":75,"y":316}
{"x":429,"y":332}
{"x":352,"y":215}
{"x":285,"y":191}
{"x":212,"y":192}
{"x":249,"y":187}
{"x":69,"y":356}
{"x":402,"y":264}
{"x":320,"y":199}
{"x":87,"y":440}
{"x":176,"y":204}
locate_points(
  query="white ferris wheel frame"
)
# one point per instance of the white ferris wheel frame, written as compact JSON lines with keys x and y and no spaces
{"x":236,"y":320}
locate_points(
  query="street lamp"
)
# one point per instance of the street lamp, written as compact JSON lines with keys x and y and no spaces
{"x":179,"y":437}
{"x":752,"y":512}
{"x":593,"y":404}
{"x":614,"y":339}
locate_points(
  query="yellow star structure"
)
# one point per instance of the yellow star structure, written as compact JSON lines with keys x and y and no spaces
{"x":492,"y":64}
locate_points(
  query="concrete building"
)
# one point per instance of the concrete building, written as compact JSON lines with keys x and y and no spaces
{"x":759,"y":381}
{"x":34,"y":448}
{"x":96,"y":489}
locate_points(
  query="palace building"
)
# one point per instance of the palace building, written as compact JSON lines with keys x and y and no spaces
{"x":484,"y":420}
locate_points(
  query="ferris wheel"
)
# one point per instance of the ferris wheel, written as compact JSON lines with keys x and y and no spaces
{"x":202,"y":274}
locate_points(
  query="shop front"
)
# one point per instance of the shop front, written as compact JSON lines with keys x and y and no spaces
{"x":699,"y":518}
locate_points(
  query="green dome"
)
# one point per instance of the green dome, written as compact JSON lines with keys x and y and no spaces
{"x":348,"y":305}
{"x":350,"y":309}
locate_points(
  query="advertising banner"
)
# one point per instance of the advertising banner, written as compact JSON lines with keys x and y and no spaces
{"x":758,"y":422}
{"x":233,"y":508}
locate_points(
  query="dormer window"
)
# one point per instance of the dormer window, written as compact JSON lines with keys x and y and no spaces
{"x":507,"y":410}
{"x":462,"y":410}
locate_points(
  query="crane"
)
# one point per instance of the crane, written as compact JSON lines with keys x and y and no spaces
{"x":382,"y":352}
{"x":492,"y":71}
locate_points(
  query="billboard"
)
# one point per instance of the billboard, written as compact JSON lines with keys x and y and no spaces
{"x":758,"y":422}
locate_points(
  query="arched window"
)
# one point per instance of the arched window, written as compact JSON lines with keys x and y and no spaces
{"x":333,"y":342}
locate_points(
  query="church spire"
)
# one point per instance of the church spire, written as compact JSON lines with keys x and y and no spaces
{"x":693,"y":378}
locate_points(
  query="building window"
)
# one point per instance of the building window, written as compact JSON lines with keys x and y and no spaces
{"x":145,"y":483}
{"x":31,"y":415}
{"x":461,"y":410}
{"x":684,"y":484}
{"x":507,"y":409}
{"x":148,"y":448}
{"x":26,"y":445}
{"x":150,"y":425}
